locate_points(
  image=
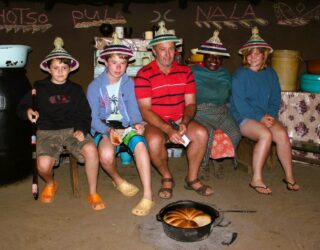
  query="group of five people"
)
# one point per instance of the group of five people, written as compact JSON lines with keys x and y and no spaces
{"x":196,"y":98}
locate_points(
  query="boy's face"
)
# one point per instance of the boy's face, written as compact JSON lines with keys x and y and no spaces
{"x":59,"y":71}
{"x":116,"y":67}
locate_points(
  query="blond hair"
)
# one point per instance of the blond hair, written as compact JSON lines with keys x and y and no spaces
{"x":247,"y":52}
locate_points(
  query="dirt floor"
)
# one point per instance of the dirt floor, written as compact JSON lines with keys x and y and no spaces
{"x":284,"y":220}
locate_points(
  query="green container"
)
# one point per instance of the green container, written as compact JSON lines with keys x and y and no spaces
{"x":310,"y":83}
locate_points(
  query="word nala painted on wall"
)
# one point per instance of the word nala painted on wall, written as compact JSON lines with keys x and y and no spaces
{"x":23,"y":19}
{"x":218,"y":18}
{"x":86,"y":19}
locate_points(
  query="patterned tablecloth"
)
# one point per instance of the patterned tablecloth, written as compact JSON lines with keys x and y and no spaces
{"x":300,"y":114}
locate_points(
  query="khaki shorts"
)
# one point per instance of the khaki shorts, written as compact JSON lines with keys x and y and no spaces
{"x":53,"y":142}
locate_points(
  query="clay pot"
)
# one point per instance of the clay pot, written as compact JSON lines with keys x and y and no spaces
{"x":313,"y":66}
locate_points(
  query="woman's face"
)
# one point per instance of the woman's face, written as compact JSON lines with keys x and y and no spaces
{"x":212,"y":62}
{"x":255,"y":59}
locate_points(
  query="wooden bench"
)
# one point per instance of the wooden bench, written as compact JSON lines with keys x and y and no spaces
{"x":245,"y":151}
{"x":306,"y":146}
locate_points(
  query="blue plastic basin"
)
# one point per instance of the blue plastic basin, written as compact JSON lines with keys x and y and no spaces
{"x":310,"y":83}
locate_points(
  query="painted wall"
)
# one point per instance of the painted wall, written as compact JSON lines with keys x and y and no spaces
{"x":293,"y":25}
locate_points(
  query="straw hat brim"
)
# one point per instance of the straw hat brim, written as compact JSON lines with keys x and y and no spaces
{"x":164,"y":39}
{"x":116,"y":49}
{"x":255,"y":45}
{"x":212,"y":51}
{"x":74,"y":63}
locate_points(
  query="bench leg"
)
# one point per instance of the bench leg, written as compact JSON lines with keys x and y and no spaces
{"x":74,"y":175}
{"x":204,"y":172}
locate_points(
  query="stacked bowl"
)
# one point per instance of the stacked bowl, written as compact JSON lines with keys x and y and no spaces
{"x":310,"y":81}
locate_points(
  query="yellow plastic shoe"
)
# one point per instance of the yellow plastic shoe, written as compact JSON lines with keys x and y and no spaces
{"x":143,"y":208}
{"x":127,"y":188}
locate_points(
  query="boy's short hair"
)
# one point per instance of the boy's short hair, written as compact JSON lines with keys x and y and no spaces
{"x":247,"y":52}
{"x":122,"y":56}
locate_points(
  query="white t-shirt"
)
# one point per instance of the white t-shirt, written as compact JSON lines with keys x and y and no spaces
{"x":113,"y":93}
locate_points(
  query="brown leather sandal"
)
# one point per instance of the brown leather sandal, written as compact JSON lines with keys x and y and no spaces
{"x":202,"y":190}
{"x":163,"y":190}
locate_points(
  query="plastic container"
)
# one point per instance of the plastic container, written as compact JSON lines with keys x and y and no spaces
{"x":310,"y":83}
{"x":13,"y":56}
{"x":125,"y":158}
{"x":286,"y":63}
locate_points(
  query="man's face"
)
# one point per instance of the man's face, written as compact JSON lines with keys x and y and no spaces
{"x":212,"y":62}
{"x":164,"y":53}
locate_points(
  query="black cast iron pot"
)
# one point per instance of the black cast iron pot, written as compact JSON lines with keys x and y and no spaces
{"x":189,"y":234}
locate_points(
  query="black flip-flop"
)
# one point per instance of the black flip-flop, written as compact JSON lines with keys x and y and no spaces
{"x":291,"y":184}
{"x":255,"y":189}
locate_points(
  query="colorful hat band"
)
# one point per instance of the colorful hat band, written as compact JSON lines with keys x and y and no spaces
{"x":164,"y":38}
{"x":255,"y":44}
{"x":214,"y":49}
{"x":116,"y":49}
{"x":59,"y":55}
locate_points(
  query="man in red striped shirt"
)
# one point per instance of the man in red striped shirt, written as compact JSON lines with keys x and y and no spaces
{"x":165,"y":91}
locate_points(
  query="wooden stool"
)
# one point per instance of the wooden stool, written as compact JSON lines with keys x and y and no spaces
{"x":245,"y":152}
{"x":73,"y":164}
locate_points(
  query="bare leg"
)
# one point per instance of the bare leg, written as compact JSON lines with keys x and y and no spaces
{"x":159,"y":156}
{"x":198,"y":136}
{"x":108,"y":161}
{"x":90,"y":154}
{"x":144,"y":169}
{"x":258,"y":132}
{"x":45,"y":165}
{"x":280,"y":137}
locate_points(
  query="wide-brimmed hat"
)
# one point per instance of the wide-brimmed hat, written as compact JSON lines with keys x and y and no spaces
{"x":59,"y":52}
{"x":163,"y":36}
{"x":213,"y":46}
{"x":255,"y":41}
{"x":116,"y":47}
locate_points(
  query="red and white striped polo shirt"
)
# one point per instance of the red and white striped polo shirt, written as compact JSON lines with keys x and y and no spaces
{"x":167,"y":92}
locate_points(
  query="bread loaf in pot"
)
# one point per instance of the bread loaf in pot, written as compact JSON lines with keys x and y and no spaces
{"x":188,"y":217}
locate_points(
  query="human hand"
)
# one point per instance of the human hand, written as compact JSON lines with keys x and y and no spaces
{"x":139,"y":128}
{"x":267,"y":120}
{"x":182,"y":128}
{"x":79,"y":135}
{"x":32,"y":115}
{"x":175,"y":137}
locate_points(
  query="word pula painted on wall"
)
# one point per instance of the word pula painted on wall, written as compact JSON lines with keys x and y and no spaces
{"x":87,"y":19}
{"x":23,"y":19}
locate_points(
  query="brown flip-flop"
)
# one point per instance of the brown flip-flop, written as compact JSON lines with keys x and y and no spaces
{"x":290,"y":184}
{"x":255,"y":188}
